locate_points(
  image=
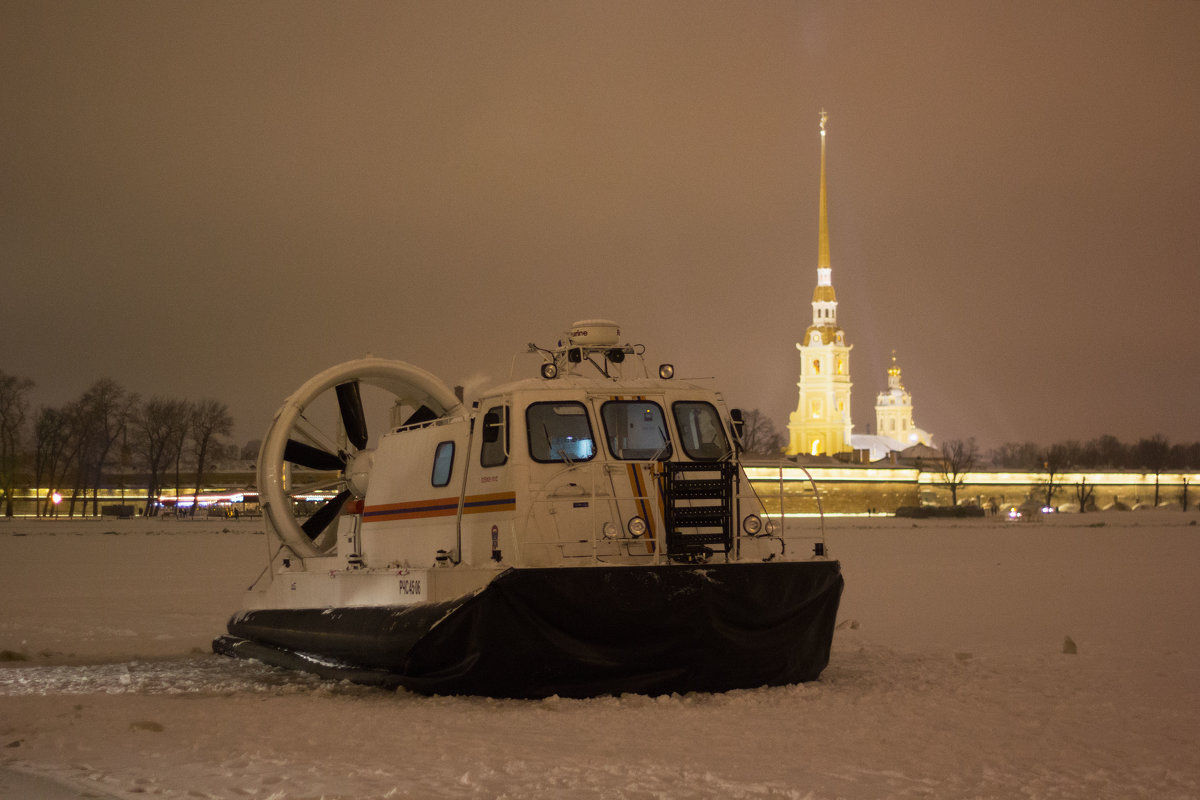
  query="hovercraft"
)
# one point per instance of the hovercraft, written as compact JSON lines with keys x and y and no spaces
{"x":585,"y":532}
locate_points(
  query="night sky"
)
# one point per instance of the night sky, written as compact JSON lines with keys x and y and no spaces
{"x":220,"y":199}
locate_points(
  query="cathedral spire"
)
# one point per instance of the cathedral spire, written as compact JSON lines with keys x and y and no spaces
{"x":824,"y":302}
{"x":821,"y":422}
{"x":823,"y":218}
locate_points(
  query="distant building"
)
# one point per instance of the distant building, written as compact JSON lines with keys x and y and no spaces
{"x":895,"y":431}
{"x":821,"y":425}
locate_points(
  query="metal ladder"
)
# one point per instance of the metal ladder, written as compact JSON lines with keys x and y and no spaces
{"x":698,"y":508}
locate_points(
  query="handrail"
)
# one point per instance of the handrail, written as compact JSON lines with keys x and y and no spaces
{"x":816,"y":494}
{"x":782,"y":513}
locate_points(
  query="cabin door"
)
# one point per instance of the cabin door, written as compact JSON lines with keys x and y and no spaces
{"x":637,"y":444}
{"x":567,"y":487}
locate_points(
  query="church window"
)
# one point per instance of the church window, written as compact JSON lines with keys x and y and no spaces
{"x":841,"y":368}
{"x":816,"y":366}
{"x":816,"y":448}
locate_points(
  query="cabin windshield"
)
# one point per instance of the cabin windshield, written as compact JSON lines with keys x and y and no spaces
{"x":700,"y":431}
{"x":636,"y":430}
{"x":559,"y":432}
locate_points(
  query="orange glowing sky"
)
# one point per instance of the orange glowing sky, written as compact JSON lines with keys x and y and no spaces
{"x":223,"y":198}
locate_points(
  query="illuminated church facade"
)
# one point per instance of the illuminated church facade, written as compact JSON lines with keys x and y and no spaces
{"x":821,"y":423}
{"x":894,"y":413}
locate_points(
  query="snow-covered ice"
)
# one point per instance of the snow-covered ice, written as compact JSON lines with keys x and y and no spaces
{"x":948,"y":679}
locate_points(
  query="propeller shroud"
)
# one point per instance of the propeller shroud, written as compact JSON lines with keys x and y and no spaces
{"x":293,"y":439}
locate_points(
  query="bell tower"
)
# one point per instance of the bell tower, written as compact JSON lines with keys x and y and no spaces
{"x":893,"y":408}
{"x":821,"y":425}
{"x":894,"y":412}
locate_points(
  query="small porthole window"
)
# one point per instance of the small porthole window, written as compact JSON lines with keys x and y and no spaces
{"x":443,"y":463}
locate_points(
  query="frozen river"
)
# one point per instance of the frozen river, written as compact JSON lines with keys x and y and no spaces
{"x":948,"y":679}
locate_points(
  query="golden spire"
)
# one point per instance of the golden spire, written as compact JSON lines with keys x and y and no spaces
{"x":823,"y":219}
{"x":825,"y":314}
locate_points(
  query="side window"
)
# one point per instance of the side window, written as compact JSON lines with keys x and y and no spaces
{"x":636,"y":430}
{"x":494,"y":450}
{"x":559,"y":432}
{"x":700,"y":431}
{"x":443,"y":463}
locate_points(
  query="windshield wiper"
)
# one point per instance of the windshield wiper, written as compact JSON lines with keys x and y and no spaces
{"x":561,"y":452}
{"x":666,"y":446}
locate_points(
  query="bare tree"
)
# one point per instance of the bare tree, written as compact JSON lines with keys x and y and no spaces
{"x":81,"y":445}
{"x":155,"y":429}
{"x":52,"y":436}
{"x":1017,"y":455}
{"x":958,"y":458}
{"x":108,"y":408}
{"x":210,"y":419}
{"x":175,"y":448}
{"x":1078,"y":456}
{"x":1110,"y":452}
{"x":1185,"y":456}
{"x":1054,"y":461}
{"x":1084,"y":493}
{"x":14,"y":407}
{"x":78,"y":445}
{"x":759,"y":435}
{"x":1153,"y":454}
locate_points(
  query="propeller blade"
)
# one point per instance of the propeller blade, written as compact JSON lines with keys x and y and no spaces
{"x":312,"y":457}
{"x":353,"y":417}
{"x":325,"y":515}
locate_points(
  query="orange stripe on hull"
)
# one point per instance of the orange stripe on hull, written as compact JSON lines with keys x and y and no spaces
{"x":639,"y":492}
{"x":441,"y":507}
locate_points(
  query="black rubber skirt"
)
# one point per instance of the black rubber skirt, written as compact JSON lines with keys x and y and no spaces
{"x":573,"y":632}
